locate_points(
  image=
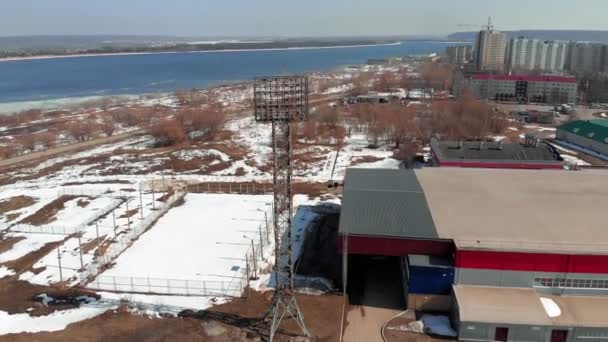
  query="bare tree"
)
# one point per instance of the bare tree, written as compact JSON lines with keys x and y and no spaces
{"x":80,"y":131}
{"x":168,"y":132}
{"x":28,"y":141}
{"x":361,"y":84}
{"x":47,"y":139}
{"x":386,"y":81}
{"x":108,"y":127}
{"x":7,"y":152}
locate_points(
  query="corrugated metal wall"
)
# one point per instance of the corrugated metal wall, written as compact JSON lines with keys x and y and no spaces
{"x":582,"y":141}
{"x":502,"y":278}
{"x":471,"y":331}
{"x":532,"y":262}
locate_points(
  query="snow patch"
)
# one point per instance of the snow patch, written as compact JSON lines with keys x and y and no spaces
{"x":438,"y":325}
{"x":31,"y":243}
{"x":574,"y":160}
{"x":58,"y":320}
{"x":551,"y":307}
{"x":6,"y":272}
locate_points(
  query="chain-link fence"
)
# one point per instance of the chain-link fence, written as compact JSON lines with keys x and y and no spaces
{"x":252,"y":264}
{"x":66,"y":230}
{"x":125,"y":240}
{"x":230,"y":188}
{"x":230,"y":287}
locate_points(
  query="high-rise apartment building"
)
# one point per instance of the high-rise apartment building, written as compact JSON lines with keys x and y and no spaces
{"x":490,"y":49}
{"x":535,"y":54}
{"x":460,"y":54}
{"x":587,"y":58}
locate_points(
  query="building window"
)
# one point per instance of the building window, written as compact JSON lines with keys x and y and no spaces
{"x":571,"y":283}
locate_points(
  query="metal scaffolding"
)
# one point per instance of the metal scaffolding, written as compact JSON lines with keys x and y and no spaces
{"x":281,"y":100}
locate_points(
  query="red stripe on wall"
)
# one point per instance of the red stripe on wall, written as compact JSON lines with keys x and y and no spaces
{"x":557,"y":263}
{"x":368,"y":245}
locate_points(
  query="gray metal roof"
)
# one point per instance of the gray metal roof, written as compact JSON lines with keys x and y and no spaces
{"x":494,"y":151}
{"x":385,"y":203}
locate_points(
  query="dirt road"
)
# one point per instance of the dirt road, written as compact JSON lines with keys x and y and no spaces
{"x":53,"y":152}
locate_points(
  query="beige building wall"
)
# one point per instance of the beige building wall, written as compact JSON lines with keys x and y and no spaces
{"x":490,"y":50}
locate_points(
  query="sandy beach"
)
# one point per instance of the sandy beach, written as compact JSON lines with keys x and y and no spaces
{"x":13,"y":59}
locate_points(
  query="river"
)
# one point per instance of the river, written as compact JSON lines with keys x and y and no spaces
{"x":60,"y":78}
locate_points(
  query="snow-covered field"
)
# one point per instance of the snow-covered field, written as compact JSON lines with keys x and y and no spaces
{"x":205,"y":239}
{"x":96,"y":231}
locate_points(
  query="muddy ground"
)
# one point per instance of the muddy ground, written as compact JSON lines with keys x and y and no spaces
{"x":239,"y":320}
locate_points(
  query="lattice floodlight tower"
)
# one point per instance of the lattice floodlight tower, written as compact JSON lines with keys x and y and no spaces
{"x":281,"y":100}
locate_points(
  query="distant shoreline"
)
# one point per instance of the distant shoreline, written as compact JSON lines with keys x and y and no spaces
{"x":41,"y":57}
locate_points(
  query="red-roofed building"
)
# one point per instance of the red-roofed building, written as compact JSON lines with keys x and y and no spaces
{"x":526,"y":88}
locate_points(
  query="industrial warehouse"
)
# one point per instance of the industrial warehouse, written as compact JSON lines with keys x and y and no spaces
{"x":508,"y":255}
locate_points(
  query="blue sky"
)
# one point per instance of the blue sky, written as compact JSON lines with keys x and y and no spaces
{"x":291,"y":18}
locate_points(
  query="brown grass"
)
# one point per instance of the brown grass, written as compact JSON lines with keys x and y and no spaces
{"x":91,"y":245}
{"x":19,"y":297}
{"x":7,"y":242}
{"x":27,"y":261}
{"x":364,"y":159}
{"x":84,"y":202}
{"x":12,"y":217}
{"x":233,"y":151}
{"x":16,"y":203}
{"x":47,"y":213}
{"x":129,"y":213}
{"x":166,"y":196}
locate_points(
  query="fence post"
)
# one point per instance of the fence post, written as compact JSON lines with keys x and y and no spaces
{"x":208,"y":187}
{"x":141,"y":204}
{"x":267,"y":232}
{"x":80,"y":252}
{"x":229,"y":188}
{"x":114,"y":281}
{"x":240,"y":188}
{"x":204,"y":287}
{"x":261,"y":243}
{"x":247,"y":266}
{"x":169,"y":286}
{"x":153,"y":199}
{"x":132,"y":287}
{"x":60,"y":271}
{"x":127,"y":214}
{"x":114,"y":221}
{"x":255,"y":266}
{"x":187,"y":289}
{"x":149,"y":287}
